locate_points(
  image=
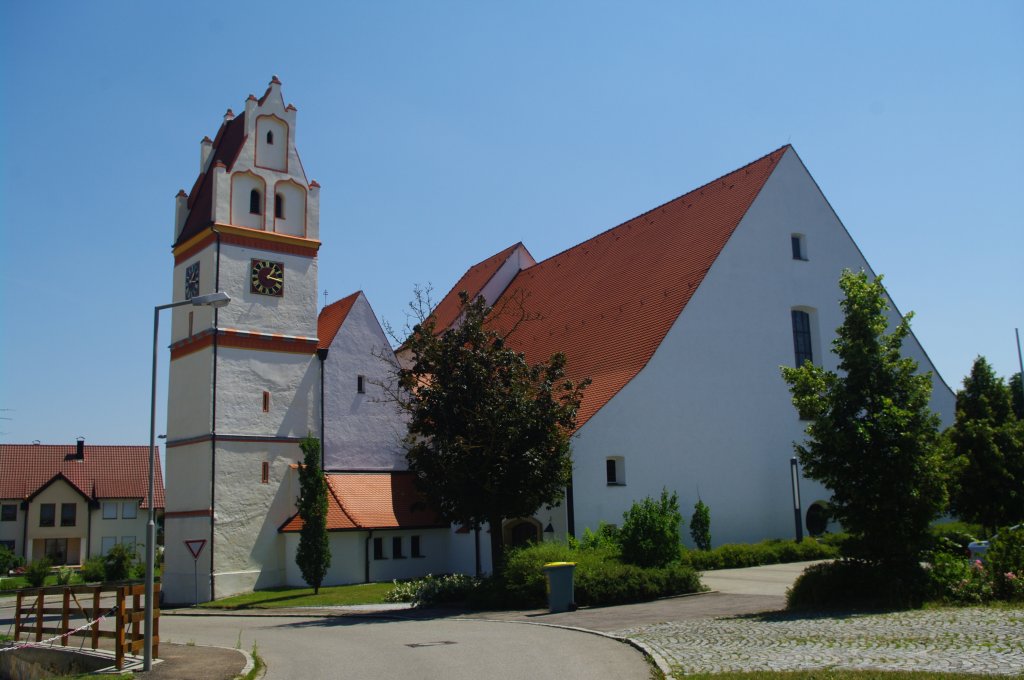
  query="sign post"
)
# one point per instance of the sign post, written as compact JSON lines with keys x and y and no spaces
{"x":195,"y":547}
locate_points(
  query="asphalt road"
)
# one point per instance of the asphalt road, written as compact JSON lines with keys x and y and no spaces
{"x":353,"y":647}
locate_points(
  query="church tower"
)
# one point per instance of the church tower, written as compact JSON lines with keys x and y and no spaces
{"x":243,"y":387}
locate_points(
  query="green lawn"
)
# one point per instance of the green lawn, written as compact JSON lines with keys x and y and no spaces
{"x":830,"y":674}
{"x":274,"y":598}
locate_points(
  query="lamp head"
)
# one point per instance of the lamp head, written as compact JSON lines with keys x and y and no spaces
{"x":218,"y":299}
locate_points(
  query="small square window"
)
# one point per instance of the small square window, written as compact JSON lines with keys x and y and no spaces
{"x":361,"y":384}
{"x":47,"y":514}
{"x":414,"y":548}
{"x":396,"y":548}
{"x":9,"y":513}
{"x":378,"y":549}
{"x":109,"y":509}
{"x":799,"y":247}
{"x":129,"y":510}
{"x":68,"y":514}
{"x":615,"y":471}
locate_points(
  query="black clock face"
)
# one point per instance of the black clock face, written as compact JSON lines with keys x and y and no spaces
{"x":266,"y":278}
{"x":192,"y":281}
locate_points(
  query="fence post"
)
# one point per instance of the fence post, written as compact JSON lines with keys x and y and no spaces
{"x":119,"y":639}
{"x":17,"y":619}
{"x":39,"y":615}
{"x":64,"y":627}
{"x":95,"y":616}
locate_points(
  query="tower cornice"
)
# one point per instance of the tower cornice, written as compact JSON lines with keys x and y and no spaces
{"x":244,"y":236}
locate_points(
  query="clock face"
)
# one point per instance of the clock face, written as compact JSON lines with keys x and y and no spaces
{"x":192,"y":281}
{"x":266,"y":277}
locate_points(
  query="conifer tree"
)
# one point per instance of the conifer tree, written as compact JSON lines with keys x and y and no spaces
{"x":313,"y":555}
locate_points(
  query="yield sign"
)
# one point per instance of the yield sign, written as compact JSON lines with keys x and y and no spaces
{"x":195,"y":546}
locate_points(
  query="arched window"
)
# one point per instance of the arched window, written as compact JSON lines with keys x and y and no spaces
{"x":279,"y":206}
{"x":270,"y":136}
{"x":254,"y":202}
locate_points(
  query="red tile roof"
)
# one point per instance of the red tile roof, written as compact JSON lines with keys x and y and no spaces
{"x":373,"y":500}
{"x":608,"y":302}
{"x":472,"y":282}
{"x":226,"y":146}
{"x":331,"y":317}
{"x":106,"y":472}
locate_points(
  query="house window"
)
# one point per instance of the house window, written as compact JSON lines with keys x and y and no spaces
{"x":9,"y":513}
{"x":254,"y":202}
{"x":128,"y":542}
{"x":265,"y":473}
{"x":47,"y":514}
{"x":396,"y":548}
{"x":615,"y":470}
{"x":279,"y":206}
{"x":109,"y":509}
{"x":266,"y":401}
{"x":270,"y":136}
{"x":361,"y":384}
{"x":56,"y":549}
{"x":107,"y":543}
{"x":68,"y":514}
{"x":799,"y":247}
{"x":414,"y":548}
{"x":378,"y":549}
{"x":7,"y":544}
{"x":129,"y":510}
{"x":802,"y":337}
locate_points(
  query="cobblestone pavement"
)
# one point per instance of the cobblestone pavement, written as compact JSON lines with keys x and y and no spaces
{"x":970,"y":640}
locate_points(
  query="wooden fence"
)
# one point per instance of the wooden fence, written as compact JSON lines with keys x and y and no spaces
{"x":83,"y":610}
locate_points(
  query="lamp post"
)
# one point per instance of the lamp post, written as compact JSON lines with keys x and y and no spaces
{"x":218,"y":299}
{"x":795,"y":472}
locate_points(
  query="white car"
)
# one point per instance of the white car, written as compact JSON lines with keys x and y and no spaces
{"x":979,"y":548}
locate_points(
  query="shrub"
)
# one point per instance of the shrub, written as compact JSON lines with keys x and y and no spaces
{"x":117,"y":563}
{"x":959,"y":534}
{"x":855,"y":584}
{"x":700,"y":526}
{"x":956,"y":580}
{"x":7,"y":559}
{"x":650,"y":531}
{"x":64,"y":575}
{"x":94,"y":569}
{"x":1005,"y":563}
{"x":37,"y":571}
{"x":430,"y":590}
{"x":605,"y":538}
{"x":772,"y":551}
{"x":609,"y":582}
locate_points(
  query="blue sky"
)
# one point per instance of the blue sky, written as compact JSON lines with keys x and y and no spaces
{"x":443,"y":132}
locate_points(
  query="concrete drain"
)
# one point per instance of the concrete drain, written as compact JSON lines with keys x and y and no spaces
{"x":439,"y":643}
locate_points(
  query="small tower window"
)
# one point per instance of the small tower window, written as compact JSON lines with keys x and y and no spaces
{"x":266,"y":401}
{"x":279,"y":206}
{"x":265,"y":473}
{"x":254,"y":202}
{"x":270,"y":136}
{"x":361,"y":384}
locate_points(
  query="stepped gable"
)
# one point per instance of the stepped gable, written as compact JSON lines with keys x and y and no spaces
{"x":226,"y":146}
{"x":608,"y":302}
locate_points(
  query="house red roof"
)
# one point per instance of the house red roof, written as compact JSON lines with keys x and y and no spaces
{"x":608,"y":302}
{"x":226,"y":146}
{"x":472,"y":282}
{"x":373,"y":500}
{"x":331,"y":317}
{"x":106,"y":471}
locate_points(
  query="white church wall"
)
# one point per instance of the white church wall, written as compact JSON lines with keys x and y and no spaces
{"x":292,"y":380}
{"x":363,"y":431}
{"x":202,"y":317}
{"x":182,"y":576}
{"x":293,"y":208}
{"x":189,"y":395}
{"x":710,"y":414}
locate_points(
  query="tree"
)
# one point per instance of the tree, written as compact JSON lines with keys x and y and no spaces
{"x":988,"y":452}
{"x":872,"y":439}
{"x":650,"y":531}
{"x":488,"y":434}
{"x":1017,"y":395}
{"x":313,"y":555}
{"x":700,"y":526}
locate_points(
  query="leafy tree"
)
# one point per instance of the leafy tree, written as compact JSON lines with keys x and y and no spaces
{"x":117,"y":563}
{"x":988,"y":452}
{"x":488,"y":433}
{"x":1017,"y":395}
{"x":313,"y":555}
{"x":872,"y":440}
{"x":650,"y":531}
{"x":700,"y":526}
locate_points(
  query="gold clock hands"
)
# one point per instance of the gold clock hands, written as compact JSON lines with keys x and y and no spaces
{"x":273,"y":278}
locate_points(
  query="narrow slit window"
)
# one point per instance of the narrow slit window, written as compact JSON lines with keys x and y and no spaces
{"x":254,"y":202}
{"x":799,"y":249}
{"x":361,"y":384}
{"x":279,"y":206}
{"x":190,"y":324}
{"x":414,"y":548}
{"x":802,"y":337}
{"x":265,"y":473}
{"x":270,"y":136}
{"x":266,"y":401}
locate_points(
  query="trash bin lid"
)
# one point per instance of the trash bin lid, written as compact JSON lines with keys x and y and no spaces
{"x":559,"y":564}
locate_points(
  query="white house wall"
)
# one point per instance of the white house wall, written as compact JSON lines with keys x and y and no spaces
{"x":362,"y":431}
{"x":710,"y":413}
{"x":120,"y":528}
{"x":12,"y":530}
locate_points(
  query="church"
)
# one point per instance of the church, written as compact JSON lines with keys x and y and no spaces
{"x":681,"y":317}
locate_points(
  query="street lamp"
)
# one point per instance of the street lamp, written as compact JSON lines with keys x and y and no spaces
{"x":218,"y":299}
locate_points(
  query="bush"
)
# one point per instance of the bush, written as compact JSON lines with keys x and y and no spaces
{"x":117,"y":563}
{"x":700,"y":526}
{"x":94,"y":569}
{"x":37,"y":571}
{"x":650,"y":531}
{"x":431,"y":590}
{"x":772,"y":551}
{"x":958,"y":534}
{"x":956,"y":580}
{"x":861,"y":585}
{"x":64,"y":575}
{"x":1004,"y":561}
{"x":605,"y":538}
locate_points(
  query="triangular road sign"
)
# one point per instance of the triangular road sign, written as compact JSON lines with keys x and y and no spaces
{"x":195,"y":546}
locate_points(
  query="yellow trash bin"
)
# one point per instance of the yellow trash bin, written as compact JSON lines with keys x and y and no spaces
{"x":561,"y":597}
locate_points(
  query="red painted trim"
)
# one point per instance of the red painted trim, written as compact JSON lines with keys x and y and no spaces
{"x":254,"y":341}
{"x":186,"y":254}
{"x":273,"y":246}
{"x":287,"y":140}
{"x":305,"y":205}
{"x":188,"y":513}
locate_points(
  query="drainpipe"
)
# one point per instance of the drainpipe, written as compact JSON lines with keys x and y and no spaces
{"x":24,"y":530}
{"x":570,"y":509}
{"x":321,"y":354}
{"x":213,"y":416}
